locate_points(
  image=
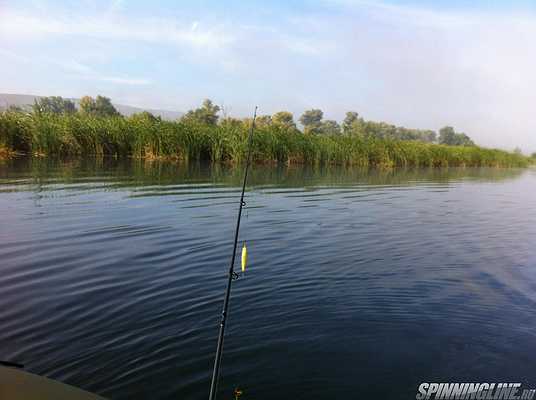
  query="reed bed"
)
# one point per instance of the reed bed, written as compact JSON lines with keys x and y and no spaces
{"x":141,"y":136}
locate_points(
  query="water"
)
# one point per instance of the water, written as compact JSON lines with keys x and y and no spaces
{"x":361,"y":284}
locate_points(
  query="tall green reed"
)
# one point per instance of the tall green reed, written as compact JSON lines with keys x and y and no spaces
{"x":144,"y":136}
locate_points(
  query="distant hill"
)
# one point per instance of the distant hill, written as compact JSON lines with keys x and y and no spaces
{"x":26,"y":100}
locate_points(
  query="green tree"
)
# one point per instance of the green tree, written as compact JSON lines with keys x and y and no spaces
{"x":350,"y":119}
{"x":429,"y":136}
{"x":206,"y":114}
{"x":312,"y":121}
{"x":284,"y":119}
{"x":104,"y":107}
{"x":447,"y":135}
{"x":463,"y":140}
{"x":53,"y":105}
{"x":330,"y":127}
{"x":87,"y":105}
{"x":100,"y":107}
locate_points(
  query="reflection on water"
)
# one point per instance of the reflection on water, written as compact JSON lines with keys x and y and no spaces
{"x":126,"y":173}
{"x":362,"y":283}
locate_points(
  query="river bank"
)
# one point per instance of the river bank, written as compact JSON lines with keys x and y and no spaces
{"x":146,"y":137}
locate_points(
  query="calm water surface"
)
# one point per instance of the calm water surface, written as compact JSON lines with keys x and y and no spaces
{"x":361,"y":284}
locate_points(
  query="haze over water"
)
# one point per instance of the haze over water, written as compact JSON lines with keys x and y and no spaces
{"x":360,"y":283}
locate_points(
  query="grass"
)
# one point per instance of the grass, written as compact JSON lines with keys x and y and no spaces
{"x":150,"y":138}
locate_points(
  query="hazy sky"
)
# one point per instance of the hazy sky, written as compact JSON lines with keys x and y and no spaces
{"x":470,"y":64}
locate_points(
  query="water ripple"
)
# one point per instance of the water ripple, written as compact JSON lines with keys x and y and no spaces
{"x":113,"y":276}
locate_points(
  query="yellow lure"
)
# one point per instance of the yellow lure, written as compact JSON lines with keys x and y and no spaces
{"x":244,"y":257}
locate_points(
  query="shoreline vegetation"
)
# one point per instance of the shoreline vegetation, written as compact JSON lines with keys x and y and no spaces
{"x":54,"y":127}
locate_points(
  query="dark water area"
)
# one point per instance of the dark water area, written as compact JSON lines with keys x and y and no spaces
{"x":361,"y":284}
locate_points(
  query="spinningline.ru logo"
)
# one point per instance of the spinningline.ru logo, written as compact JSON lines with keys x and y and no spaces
{"x":478,"y":391}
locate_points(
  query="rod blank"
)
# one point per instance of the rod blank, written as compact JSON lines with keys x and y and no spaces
{"x":232,"y":274}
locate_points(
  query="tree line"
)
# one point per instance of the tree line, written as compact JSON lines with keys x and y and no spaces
{"x":312,"y":121}
{"x":100,"y":106}
{"x":93,"y":127}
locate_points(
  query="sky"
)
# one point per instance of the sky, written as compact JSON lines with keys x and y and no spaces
{"x":419,"y":64}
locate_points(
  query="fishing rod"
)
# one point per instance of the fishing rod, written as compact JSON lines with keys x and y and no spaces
{"x":232,"y":275}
